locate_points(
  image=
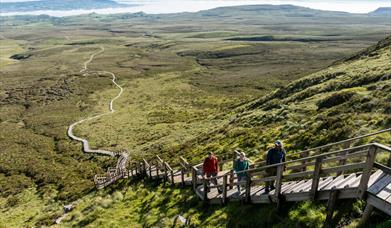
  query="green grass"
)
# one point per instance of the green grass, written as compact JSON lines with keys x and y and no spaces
{"x":182,"y":96}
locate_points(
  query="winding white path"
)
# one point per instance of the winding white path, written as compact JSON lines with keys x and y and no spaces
{"x":86,"y":146}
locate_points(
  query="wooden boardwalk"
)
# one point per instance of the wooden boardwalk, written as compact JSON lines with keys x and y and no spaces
{"x":341,"y":170}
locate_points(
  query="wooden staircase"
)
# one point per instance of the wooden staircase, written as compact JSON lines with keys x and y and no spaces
{"x":348,"y":169}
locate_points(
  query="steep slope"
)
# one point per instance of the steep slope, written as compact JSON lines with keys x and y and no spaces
{"x":349,"y":98}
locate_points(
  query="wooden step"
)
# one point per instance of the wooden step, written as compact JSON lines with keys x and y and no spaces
{"x":332,"y":183}
{"x":380,"y":184}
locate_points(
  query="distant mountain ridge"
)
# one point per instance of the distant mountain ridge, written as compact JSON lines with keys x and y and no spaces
{"x":58,"y":5}
{"x":382,"y":11}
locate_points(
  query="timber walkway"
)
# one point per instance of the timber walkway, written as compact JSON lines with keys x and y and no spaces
{"x":113,"y":174}
{"x":349,"y":169}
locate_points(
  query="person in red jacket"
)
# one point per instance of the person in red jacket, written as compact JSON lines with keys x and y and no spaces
{"x":210,"y":168}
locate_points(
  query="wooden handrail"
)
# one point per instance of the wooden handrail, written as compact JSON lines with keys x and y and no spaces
{"x":382,"y":167}
{"x":146,"y":163}
{"x":355,"y":154}
{"x":168,"y":166}
{"x":340,"y":142}
{"x":305,"y":158}
{"x":159,"y":159}
{"x":383,"y":147}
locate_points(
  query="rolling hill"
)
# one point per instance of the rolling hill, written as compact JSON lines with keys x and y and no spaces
{"x":348,"y":98}
{"x":57,"y":5}
{"x":192,"y":82}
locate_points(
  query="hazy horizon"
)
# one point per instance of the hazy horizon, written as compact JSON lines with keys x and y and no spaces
{"x":178,"y":6}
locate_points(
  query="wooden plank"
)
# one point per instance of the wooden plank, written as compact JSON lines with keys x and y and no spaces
{"x":332,"y":183}
{"x":379,"y":204}
{"x":256,"y":190}
{"x":324,"y":182}
{"x":380,"y":184}
{"x":375,"y":177}
{"x":287,"y":185}
{"x":335,"y":183}
{"x":351,"y":182}
{"x":385,"y":192}
{"x":293,"y":186}
{"x":345,"y":181}
{"x":297,"y":187}
{"x":344,"y":193}
{"x":355,"y":183}
{"x":305,"y":187}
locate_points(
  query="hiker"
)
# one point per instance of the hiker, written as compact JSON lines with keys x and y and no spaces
{"x":274,"y":155}
{"x":211,"y":168}
{"x":241,"y":164}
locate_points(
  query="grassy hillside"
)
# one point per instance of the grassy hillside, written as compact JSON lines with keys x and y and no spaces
{"x":188,"y":88}
{"x":351,"y":97}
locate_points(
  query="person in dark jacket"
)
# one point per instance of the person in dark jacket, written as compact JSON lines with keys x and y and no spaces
{"x":274,"y":155}
{"x":210,"y":168}
{"x":241,"y":164}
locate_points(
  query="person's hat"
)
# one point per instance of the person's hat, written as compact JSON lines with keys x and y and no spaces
{"x":210,"y":153}
{"x":278,"y":143}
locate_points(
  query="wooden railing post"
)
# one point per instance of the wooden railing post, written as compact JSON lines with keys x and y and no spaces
{"x":331,"y":203}
{"x":362,"y":188}
{"x":150,"y":170}
{"x":165,"y":172}
{"x":221,"y":163}
{"x":205,"y":183}
{"x":182,"y":177}
{"x":172,"y":177}
{"x":231,"y":179}
{"x":306,"y":154}
{"x":315,"y":178}
{"x":194,"y":178}
{"x":225,"y":177}
{"x":248,"y":188}
{"x":142,"y":167}
{"x":280,"y":170}
{"x":346,"y":145}
{"x":234,"y":159}
{"x":157,"y":170}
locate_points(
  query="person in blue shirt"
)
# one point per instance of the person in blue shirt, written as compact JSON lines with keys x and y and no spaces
{"x":274,"y":155}
{"x":241,"y":164}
